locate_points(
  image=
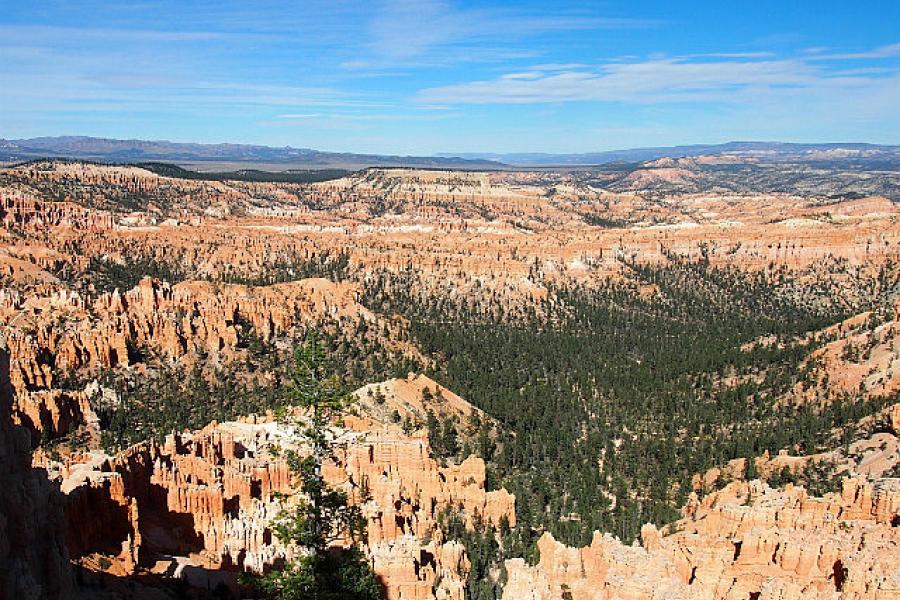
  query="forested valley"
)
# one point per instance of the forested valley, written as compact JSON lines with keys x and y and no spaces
{"x":606,"y":398}
{"x":611,"y":397}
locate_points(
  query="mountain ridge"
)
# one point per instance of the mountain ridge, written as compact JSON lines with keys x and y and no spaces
{"x":783,"y":150}
{"x":130,"y":150}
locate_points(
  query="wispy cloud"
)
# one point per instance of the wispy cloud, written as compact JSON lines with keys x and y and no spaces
{"x":438,"y":73}
{"x":36,"y":92}
{"x":37,"y":34}
{"x":649,"y":81}
{"x":407,"y":29}
{"x":889,"y":51}
{"x":760,"y":54}
{"x":679,"y":79}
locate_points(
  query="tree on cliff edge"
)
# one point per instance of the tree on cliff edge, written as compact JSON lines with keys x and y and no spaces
{"x":324,"y":571}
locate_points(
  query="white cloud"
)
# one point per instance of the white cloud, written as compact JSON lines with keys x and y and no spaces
{"x":406,"y":29}
{"x":649,"y":81}
{"x":889,"y":51}
{"x":663,"y":80}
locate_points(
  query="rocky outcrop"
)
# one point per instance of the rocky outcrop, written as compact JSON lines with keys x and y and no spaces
{"x":413,"y":397}
{"x":745,"y":541}
{"x":24,"y":212}
{"x":211,"y":497}
{"x":118,"y":195}
{"x":62,"y":333}
{"x":34,"y":563}
{"x":175,"y":319}
{"x":860,"y":356}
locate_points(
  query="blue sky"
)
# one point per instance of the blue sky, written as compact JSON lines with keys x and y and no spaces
{"x":440,"y":76}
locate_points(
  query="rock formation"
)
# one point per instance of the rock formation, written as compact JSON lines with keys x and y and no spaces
{"x":63,"y":333}
{"x":211,"y":497}
{"x":34,"y":562}
{"x":412,"y":397}
{"x":745,"y":541}
{"x":862,"y":356}
{"x":25,"y":212}
{"x":199,"y":506}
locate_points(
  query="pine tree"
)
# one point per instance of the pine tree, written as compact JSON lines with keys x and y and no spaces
{"x":435,"y":439}
{"x":751,"y":471}
{"x":325,"y":571}
{"x":449,"y":438}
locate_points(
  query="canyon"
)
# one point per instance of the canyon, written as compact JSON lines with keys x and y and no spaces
{"x":744,"y":541}
{"x":117,"y":280}
{"x":201,"y":504}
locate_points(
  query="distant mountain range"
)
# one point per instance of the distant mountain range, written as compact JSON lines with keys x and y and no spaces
{"x":773,"y":151}
{"x":217,"y":155}
{"x":130,"y":151}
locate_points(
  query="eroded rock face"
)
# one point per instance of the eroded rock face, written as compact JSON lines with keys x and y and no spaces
{"x":745,"y":541}
{"x":445,"y":223}
{"x":859,"y":356}
{"x":413,"y":397}
{"x":211,"y":497}
{"x":206,"y":499}
{"x":33,"y":556}
{"x":23,"y":211}
{"x":62,"y":332}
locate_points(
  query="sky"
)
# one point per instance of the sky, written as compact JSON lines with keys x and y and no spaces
{"x":436,"y":76}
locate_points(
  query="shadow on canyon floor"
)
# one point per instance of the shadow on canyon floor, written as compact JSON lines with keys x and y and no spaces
{"x":187,"y":582}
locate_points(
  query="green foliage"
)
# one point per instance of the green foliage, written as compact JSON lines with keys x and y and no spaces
{"x":483,"y":549}
{"x":442,"y":435}
{"x":751,"y":471}
{"x":449,"y":438}
{"x":105,"y":274}
{"x":325,"y":571}
{"x":817,"y":476}
{"x":335,"y":575}
{"x":254,"y":175}
{"x":109,"y":275}
{"x":781,"y":477}
{"x":171,"y":397}
{"x":609,"y":400}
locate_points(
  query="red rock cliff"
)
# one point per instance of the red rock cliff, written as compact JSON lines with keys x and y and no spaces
{"x":35,"y":564}
{"x":211,"y":497}
{"x":745,"y":541}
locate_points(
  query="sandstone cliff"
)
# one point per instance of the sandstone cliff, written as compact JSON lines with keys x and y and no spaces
{"x":745,"y":541}
{"x":63,"y":332}
{"x":34,"y":562}
{"x":208,"y":499}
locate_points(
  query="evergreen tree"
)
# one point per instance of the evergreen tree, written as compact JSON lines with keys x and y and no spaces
{"x":435,"y":439}
{"x":751,"y":471}
{"x":449,"y":438}
{"x":325,"y":571}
